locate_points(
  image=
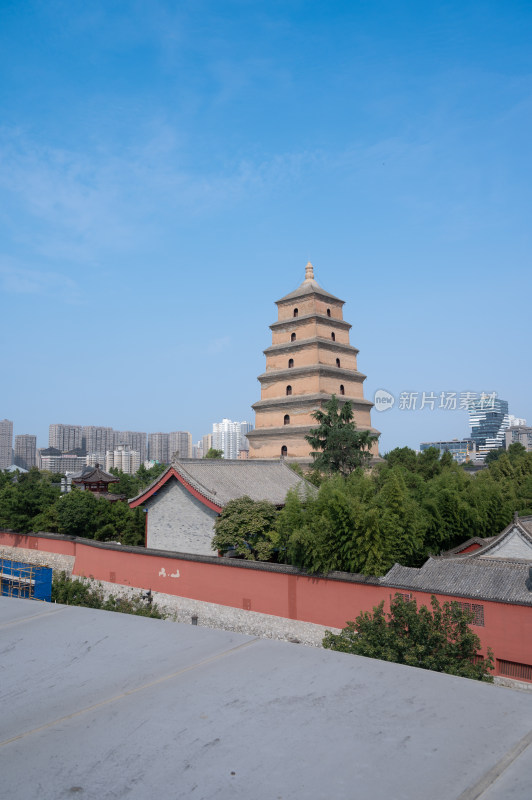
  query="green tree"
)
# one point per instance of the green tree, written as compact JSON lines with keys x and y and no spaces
{"x":405,"y":522}
{"x":127,"y":484}
{"x":439,"y":639}
{"x":494,"y":455}
{"x":446,"y":459}
{"x":516,"y":452}
{"x":428,"y":463}
{"x":374,"y":543}
{"x":332,"y":519}
{"x":146,"y":476}
{"x":248,"y":527}
{"x":81,"y":513}
{"x":404,"y":456}
{"x":213,"y":453}
{"x":24,"y":496}
{"x":337,"y":445}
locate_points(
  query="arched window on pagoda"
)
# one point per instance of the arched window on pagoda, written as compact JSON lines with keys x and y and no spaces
{"x":296,"y":312}
{"x":293,"y":337}
{"x":328,"y":312}
{"x":290,"y":363}
{"x":337,"y":362}
{"x":288,"y":390}
{"x":287,"y":419}
{"x":342,"y":390}
{"x":284,"y":451}
{"x":333,"y":336}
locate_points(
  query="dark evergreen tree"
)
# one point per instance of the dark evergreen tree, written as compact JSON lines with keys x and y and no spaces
{"x":337,"y":445}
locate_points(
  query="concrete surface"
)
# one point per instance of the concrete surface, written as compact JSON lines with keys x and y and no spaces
{"x":103,"y":705}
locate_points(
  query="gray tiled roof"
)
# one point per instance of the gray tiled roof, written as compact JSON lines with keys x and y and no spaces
{"x":94,"y":474}
{"x":466,"y":577}
{"x":221,"y":480}
{"x":526,"y":523}
{"x":459,"y":550}
{"x":306,"y":288}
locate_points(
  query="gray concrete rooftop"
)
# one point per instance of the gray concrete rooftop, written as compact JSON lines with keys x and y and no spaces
{"x":102,"y":705}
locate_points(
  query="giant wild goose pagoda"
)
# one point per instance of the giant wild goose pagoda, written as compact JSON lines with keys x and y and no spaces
{"x":309,"y":360}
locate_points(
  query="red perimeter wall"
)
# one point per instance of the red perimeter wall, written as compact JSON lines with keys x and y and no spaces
{"x":325,"y":601}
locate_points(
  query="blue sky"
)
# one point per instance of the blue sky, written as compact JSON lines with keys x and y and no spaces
{"x":167,"y":169}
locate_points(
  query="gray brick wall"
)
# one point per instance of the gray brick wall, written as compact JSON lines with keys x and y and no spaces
{"x":179,"y":522}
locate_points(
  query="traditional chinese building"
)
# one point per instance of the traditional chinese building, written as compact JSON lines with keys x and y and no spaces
{"x":309,"y":360}
{"x":95,"y":480}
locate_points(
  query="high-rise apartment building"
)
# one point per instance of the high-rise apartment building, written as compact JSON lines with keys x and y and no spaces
{"x":230,"y":437}
{"x":521,"y":434}
{"x":98,"y":440}
{"x":179,"y":445}
{"x":206,"y":443}
{"x":488,"y":419}
{"x":123,"y":458}
{"x":25,"y":450}
{"x":6,"y":443}
{"x":136,"y":440}
{"x":309,"y":360}
{"x":65,"y":437}
{"x":163,"y":447}
{"x":158,"y":447}
{"x":197,"y":449}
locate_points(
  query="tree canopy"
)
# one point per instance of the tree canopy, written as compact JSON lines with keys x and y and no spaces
{"x":439,"y":639}
{"x":246,"y":526}
{"x":212,"y":452}
{"x":404,"y":509}
{"x":33,"y":501}
{"x":337,"y":445}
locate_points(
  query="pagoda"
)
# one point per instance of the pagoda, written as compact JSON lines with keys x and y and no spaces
{"x":309,"y":360}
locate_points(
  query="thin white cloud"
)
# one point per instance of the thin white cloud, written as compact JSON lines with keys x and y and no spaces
{"x":15,"y":279}
{"x":80,"y":205}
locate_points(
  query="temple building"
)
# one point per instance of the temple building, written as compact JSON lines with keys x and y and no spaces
{"x":310,"y":359}
{"x":95,"y":480}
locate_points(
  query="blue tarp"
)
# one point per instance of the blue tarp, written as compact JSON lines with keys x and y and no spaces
{"x":18,"y":579}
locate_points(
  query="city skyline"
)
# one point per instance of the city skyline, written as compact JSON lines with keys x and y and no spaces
{"x":167,"y":173}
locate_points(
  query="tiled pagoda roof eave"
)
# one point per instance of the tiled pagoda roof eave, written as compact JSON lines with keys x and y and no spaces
{"x":319,"y":369}
{"x":308,"y":288}
{"x":295,"y":430}
{"x":310,"y":400}
{"x":299,"y":344}
{"x":332,"y":321}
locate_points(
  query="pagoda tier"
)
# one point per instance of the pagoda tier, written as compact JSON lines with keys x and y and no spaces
{"x":309,"y":360}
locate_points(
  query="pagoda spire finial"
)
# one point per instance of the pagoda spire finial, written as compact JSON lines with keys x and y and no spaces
{"x":309,"y":272}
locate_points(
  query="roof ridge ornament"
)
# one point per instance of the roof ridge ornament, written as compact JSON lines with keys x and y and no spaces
{"x":309,"y":272}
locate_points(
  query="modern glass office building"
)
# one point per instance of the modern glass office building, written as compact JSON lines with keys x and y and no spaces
{"x":462,"y":450}
{"x":488,"y":419}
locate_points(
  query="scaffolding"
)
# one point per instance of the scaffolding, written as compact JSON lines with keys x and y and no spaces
{"x":32,"y":581}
